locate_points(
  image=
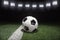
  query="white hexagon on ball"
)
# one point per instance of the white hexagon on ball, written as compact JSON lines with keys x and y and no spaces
{"x":30,"y":23}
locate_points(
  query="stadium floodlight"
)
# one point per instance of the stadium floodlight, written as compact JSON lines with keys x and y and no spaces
{"x":41,"y":5}
{"x":34,"y":6}
{"x":12,"y":4}
{"x":27,"y":5}
{"x":20,"y":5}
{"x":54,"y":3}
{"x":6,"y":3}
{"x":48,"y":4}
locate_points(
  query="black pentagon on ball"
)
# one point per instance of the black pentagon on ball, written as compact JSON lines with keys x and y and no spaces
{"x":33,"y":22}
{"x":24,"y":19}
{"x":26,"y":28}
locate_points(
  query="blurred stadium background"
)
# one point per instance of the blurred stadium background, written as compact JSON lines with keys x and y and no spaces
{"x":48,"y":18}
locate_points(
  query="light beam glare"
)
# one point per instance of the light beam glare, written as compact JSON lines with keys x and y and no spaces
{"x":41,"y":5}
{"x":6,"y":3}
{"x":20,"y":5}
{"x":48,"y":4}
{"x":34,"y":6}
{"x":27,"y":5}
{"x":12,"y":4}
{"x":54,"y":3}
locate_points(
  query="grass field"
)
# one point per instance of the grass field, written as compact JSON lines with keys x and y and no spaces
{"x":45,"y":32}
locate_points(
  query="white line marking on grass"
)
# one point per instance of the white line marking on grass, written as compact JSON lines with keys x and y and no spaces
{"x":17,"y":35}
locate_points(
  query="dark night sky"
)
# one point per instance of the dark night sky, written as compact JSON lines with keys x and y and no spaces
{"x":7,"y":14}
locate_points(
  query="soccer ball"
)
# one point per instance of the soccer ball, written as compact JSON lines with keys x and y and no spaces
{"x":30,"y":24}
